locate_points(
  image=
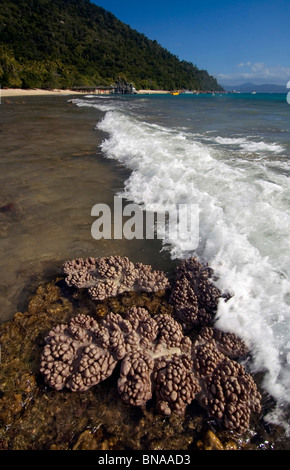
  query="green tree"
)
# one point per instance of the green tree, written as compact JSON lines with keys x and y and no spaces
{"x":61,"y":43}
{"x":9,"y":68}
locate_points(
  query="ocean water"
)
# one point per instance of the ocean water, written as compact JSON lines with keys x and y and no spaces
{"x":230,"y":156}
{"x":226,"y":154}
{"x":52,"y":172}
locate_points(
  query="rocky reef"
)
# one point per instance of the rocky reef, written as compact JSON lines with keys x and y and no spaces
{"x":140,"y":380}
{"x":155,"y":356}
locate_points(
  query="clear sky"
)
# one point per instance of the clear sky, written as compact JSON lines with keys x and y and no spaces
{"x":236,"y":41}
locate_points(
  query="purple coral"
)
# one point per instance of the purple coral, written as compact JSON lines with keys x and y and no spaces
{"x":83,"y":353}
{"x":134,"y":384}
{"x":228,"y":343}
{"x":228,"y":392}
{"x":110,"y":276}
{"x":75,"y":355}
{"x":194,"y":295}
{"x":156,"y":357}
{"x":176,"y":385}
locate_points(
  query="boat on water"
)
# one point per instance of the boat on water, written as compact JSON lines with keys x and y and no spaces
{"x":174,"y":93}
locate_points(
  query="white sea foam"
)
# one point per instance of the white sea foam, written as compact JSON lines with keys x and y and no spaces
{"x":104,"y":103}
{"x":244,"y":227}
{"x":248,"y":145}
{"x":94,"y":104}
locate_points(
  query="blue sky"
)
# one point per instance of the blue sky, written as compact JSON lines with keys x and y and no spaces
{"x":235,"y":41}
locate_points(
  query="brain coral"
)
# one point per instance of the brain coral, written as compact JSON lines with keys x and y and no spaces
{"x":109,"y":276}
{"x":156,"y":357}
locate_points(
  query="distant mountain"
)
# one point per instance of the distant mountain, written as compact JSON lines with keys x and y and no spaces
{"x":250,"y":87}
{"x":65,"y":43}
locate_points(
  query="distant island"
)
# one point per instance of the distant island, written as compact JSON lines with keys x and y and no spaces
{"x":69,"y":43}
{"x":252,"y":87}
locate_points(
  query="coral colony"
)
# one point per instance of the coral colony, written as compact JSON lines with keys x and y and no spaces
{"x":156,"y":357}
{"x":195,"y":298}
{"x":113,"y":275}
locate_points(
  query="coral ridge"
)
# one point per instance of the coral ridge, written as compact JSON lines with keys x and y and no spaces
{"x":156,"y":357}
{"x":113,"y":275}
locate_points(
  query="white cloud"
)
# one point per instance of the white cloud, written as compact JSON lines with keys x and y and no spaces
{"x":256,"y":72}
{"x":259,"y":67}
{"x":244,"y":64}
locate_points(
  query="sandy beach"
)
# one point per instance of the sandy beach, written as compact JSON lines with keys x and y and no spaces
{"x":9,"y":92}
{"x":36,"y":92}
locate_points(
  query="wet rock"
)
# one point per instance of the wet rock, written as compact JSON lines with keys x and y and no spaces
{"x":210,"y":442}
{"x":10,"y":406}
{"x":86,"y":441}
{"x":230,"y":445}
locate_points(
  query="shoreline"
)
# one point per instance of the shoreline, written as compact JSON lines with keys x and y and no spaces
{"x":153,"y":92}
{"x":10,"y":92}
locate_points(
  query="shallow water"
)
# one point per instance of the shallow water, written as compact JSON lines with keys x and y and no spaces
{"x":52,"y":173}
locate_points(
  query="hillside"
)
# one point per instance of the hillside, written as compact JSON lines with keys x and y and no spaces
{"x":250,"y":87}
{"x":65,"y":43}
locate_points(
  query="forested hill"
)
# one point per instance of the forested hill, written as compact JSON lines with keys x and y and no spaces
{"x":65,"y":43}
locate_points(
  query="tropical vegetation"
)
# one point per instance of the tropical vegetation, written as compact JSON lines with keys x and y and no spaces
{"x":69,"y":43}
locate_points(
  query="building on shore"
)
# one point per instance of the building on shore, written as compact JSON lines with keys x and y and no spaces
{"x":120,"y":88}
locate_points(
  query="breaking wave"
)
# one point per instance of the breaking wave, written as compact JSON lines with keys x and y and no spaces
{"x":244,"y":222}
